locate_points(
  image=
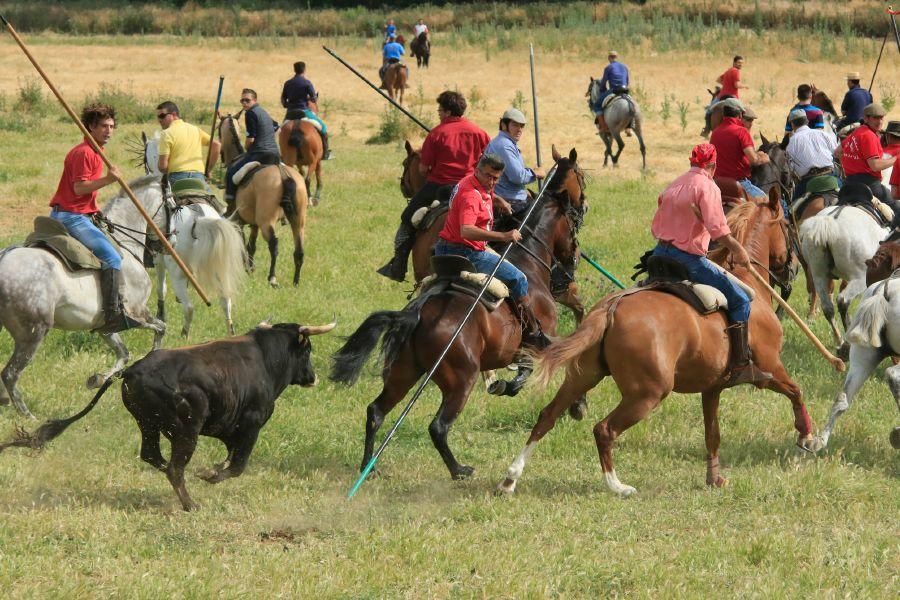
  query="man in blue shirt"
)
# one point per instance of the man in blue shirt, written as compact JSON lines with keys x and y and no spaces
{"x":390,"y":31}
{"x":511,"y":185}
{"x":855,"y":101}
{"x":391,"y":53}
{"x":299,"y":97}
{"x":614,"y":80}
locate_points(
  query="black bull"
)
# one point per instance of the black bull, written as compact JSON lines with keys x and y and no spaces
{"x":224,"y":389}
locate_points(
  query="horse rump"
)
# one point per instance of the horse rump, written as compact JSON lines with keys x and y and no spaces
{"x":867,"y":328}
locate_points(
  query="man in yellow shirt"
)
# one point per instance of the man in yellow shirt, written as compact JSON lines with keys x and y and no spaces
{"x":181,"y":146}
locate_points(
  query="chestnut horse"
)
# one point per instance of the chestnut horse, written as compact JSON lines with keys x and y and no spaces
{"x":301,"y":147}
{"x":653,"y":343}
{"x":275,"y":191}
{"x":421,"y":49}
{"x":415,"y":336}
{"x":394,"y":81}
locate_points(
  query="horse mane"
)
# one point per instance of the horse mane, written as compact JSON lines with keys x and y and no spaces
{"x":739,"y":222}
{"x":233,"y":129}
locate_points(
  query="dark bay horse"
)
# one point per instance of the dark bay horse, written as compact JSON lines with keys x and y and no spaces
{"x":301,"y":147}
{"x":653,"y":343}
{"x":275,"y":191}
{"x":421,"y":49}
{"x":415,"y":336}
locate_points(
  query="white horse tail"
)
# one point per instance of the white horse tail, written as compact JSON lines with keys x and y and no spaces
{"x":218,"y":256}
{"x":818,"y":230}
{"x":869,"y":322}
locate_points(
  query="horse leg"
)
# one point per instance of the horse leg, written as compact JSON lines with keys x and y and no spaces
{"x":821,"y":284}
{"x":575,"y":386}
{"x":225,"y":303}
{"x":863,"y":361}
{"x":782,"y":383}
{"x":268,"y":233}
{"x":115,"y":343}
{"x":27,"y":341}
{"x":180,"y":287}
{"x":401,"y":376}
{"x":318,"y":195}
{"x":456,"y":382}
{"x":621,"y":146}
{"x":251,"y":245}
{"x":712,"y":436}
{"x":631,"y":410}
{"x":297,"y":229}
{"x":854,"y":288}
{"x":640,"y":137}
{"x":161,"y":290}
{"x":607,"y":141}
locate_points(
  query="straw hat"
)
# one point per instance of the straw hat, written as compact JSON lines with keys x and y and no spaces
{"x":853,"y":75}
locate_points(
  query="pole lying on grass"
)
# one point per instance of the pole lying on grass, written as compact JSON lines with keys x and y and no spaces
{"x":159,"y":234}
{"x":836,"y":362}
{"x":376,"y":88}
{"x":606,"y":273}
{"x":212,"y":130}
{"x":534,"y":103}
{"x":371,"y":464}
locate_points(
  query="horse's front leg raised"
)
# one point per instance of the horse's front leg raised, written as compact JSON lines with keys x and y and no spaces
{"x":115,"y":343}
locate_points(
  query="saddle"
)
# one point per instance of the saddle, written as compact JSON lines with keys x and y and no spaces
{"x":296,"y":139}
{"x":623,"y":92}
{"x":187,"y":192}
{"x":733,"y":193}
{"x":670,"y":276}
{"x":823,"y":186}
{"x":245,"y":174}
{"x":425,"y":217}
{"x":457,"y":274}
{"x":50,"y":235}
{"x":872,"y":206}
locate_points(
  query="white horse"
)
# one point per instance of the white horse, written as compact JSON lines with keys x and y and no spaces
{"x":38,"y":293}
{"x":836,"y":244}
{"x":620,"y":114}
{"x":873,"y":336}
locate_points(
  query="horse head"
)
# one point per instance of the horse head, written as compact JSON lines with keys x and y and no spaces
{"x":821,"y":99}
{"x":566,"y":189}
{"x":777,"y":172}
{"x":230,"y":136}
{"x":411,"y":180}
{"x":593,"y":92}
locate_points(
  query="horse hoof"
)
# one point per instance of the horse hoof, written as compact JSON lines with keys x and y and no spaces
{"x":895,"y":438}
{"x":273,"y":283}
{"x":184,"y":332}
{"x":626,"y":491}
{"x":578,"y":411}
{"x":95,"y":381}
{"x":463,"y":472}
{"x":497,"y":388}
{"x":815,"y":444}
{"x":506,"y":487}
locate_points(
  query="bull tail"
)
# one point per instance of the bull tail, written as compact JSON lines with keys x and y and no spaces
{"x":288,"y":194}
{"x":52,"y":429}
{"x":558,"y":354}
{"x":395,"y":325}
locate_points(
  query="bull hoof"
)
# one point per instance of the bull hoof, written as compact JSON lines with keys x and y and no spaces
{"x":895,"y":438}
{"x":579,"y":410}
{"x":95,"y":381}
{"x":463,"y":472}
{"x":189,"y":506}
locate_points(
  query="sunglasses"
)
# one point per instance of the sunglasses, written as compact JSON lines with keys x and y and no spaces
{"x":246,"y":100}
{"x":162,"y":116}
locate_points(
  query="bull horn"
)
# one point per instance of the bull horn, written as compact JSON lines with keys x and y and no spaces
{"x":317,"y":329}
{"x":267,"y":322}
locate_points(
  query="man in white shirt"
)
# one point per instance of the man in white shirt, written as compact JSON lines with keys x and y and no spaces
{"x":420,"y":28}
{"x":810,"y":151}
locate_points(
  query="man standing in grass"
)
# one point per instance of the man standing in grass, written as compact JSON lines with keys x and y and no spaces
{"x":181,"y":146}
{"x":450,"y":152}
{"x":75,"y":206}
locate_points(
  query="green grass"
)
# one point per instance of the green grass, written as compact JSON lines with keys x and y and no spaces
{"x":88,"y":518}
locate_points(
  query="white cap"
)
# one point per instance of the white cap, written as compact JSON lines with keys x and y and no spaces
{"x":514,"y":114}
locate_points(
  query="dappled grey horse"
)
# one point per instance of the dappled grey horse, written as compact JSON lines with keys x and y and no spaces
{"x":38,"y":293}
{"x":620,"y":113}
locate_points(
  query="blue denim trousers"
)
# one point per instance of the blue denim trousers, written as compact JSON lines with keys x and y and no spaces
{"x":82,"y":229}
{"x":704,"y":271}
{"x":484,"y":262}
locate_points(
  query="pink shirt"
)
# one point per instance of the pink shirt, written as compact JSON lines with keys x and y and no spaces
{"x":676,"y":222}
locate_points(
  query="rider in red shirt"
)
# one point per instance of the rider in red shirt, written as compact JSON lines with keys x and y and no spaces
{"x":449,"y":153}
{"x":735,"y":150}
{"x":862,"y":159}
{"x":731,"y":80}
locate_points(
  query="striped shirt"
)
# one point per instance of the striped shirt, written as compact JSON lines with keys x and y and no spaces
{"x":810,"y":149}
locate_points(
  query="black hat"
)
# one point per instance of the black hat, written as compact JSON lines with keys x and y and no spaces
{"x":893,"y":128}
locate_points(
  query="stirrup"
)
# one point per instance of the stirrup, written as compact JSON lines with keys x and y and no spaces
{"x":748,"y":373}
{"x":118,"y":322}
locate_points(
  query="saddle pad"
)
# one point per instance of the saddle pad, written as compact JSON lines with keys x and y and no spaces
{"x":702,"y":298}
{"x":465,"y":285}
{"x":243,"y":171}
{"x":608,"y":100}
{"x":49,"y":234}
{"x":315,"y":124}
{"x":419,"y":215}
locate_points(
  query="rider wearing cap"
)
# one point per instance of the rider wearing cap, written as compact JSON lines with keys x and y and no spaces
{"x":467,"y":230}
{"x":614,"y":81}
{"x":511,"y":186}
{"x":810,"y":151}
{"x":855,"y":101}
{"x":861,"y":155}
{"x":689,"y":214}
{"x":735,"y":150}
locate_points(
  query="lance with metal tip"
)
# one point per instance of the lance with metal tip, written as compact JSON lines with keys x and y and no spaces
{"x":371,"y":464}
{"x":212,"y":131}
{"x":375,"y":87}
{"x":90,"y":139}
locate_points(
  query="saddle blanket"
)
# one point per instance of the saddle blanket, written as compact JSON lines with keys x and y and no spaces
{"x":470,"y":284}
{"x":49,"y":234}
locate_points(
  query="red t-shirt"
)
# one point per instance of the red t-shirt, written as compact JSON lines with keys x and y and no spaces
{"x":730,"y":80}
{"x":894,"y":150}
{"x":859,"y":147}
{"x":81,"y":164}
{"x":730,"y":138}
{"x":452,"y":150}
{"x":470,"y":204}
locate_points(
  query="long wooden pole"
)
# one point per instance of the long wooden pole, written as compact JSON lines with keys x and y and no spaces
{"x":87,"y":135}
{"x":212,"y":130}
{"x":836,"y":362}
{"x":534,"y":104}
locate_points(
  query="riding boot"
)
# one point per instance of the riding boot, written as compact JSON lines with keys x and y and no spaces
{"x":403,"y":243}
{"x":111,"y":284}
{"x":326,"y":150}
{"x":532,"y":334}
{"x":742,"y":369}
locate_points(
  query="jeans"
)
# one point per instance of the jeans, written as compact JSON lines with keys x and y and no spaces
{"x":752,"y":190}
{"x":702,"y":270}
{"x":266,"y":158}
{"x":485,"y":262}
{"x":189,"y":175}
{"x":83,"y":229}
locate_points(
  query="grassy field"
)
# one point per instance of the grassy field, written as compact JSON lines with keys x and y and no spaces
{"x":87,"y":518}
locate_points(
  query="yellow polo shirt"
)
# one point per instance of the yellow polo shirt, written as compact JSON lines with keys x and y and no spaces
{"x":183,"y":144}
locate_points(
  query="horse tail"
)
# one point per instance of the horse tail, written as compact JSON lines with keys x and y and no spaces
{"x":296,"y":138}
{"x":288,"y":194}
{"x":52,"y":429}
{"x":396,"y":326}
{"x":589,"y":333}
{"x":218,"y":256}
{"x":815,"y":235}
{"x":869,"y":322}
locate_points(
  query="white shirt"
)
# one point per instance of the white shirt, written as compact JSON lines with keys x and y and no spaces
{"x":420,"y":28}
{"x":810,"y":149}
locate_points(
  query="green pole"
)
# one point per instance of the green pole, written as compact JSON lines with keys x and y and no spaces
{"x":606,"y":273}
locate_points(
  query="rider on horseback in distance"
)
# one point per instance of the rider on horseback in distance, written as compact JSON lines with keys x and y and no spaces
{"x":689,"y":214}
{"x":299,"y":97}
{"x":468,"y":229}
{"x":614,"y":81}
{"x":75,"y":206}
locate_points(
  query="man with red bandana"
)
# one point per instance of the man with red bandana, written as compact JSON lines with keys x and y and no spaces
{"x":688,"y":216}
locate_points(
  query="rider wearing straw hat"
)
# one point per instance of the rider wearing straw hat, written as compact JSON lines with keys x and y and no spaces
{"x":855,"y":101}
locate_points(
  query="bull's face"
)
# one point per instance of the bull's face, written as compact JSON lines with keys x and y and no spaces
{"x":303,"y":372}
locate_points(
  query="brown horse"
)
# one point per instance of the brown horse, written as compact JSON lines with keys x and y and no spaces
{"x":653,"y":343}
{"x":394,"y":81}
{"x":301,"y":147}
{"x":415,"y":336}
{"x":275,"y":191}
{"x":421,"y":49}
